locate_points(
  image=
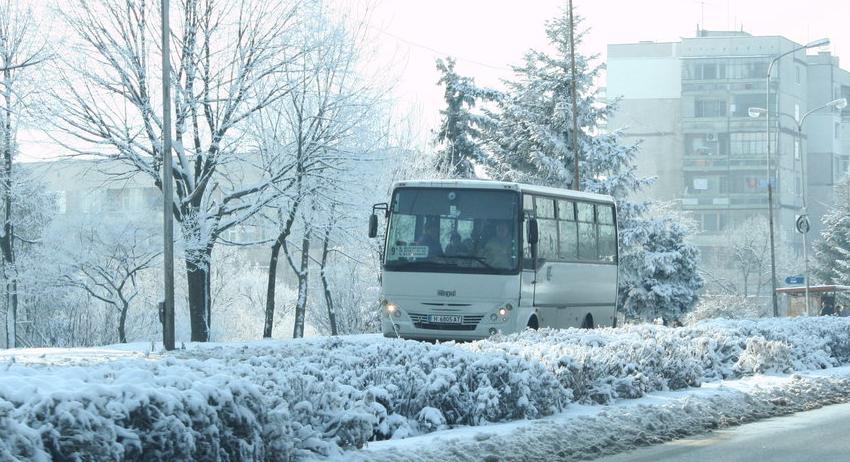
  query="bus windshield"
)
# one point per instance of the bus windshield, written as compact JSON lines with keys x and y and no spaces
{"x":453,"y":231}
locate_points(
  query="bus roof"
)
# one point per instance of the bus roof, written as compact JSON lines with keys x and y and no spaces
{"x":504,"y":185}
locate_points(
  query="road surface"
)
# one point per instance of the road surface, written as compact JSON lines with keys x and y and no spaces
{"x":820,"y":435}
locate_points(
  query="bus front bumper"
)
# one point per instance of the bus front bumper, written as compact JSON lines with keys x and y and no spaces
{"x":474,"y":327}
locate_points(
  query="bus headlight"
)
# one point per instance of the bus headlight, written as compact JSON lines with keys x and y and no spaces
{"x":502,"y":313}
{"x":391,"y":309}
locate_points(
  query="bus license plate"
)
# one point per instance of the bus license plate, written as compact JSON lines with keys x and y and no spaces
{"x":445,"y":319}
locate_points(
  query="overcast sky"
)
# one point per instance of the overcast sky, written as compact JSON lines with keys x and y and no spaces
{"x":486,"y":36}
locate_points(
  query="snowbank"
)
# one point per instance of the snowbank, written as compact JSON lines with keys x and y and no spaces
{"x":587,"y":432}
{"x":286,"y":400}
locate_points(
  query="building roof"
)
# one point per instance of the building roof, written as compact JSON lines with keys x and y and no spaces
{"x":818,"y":289}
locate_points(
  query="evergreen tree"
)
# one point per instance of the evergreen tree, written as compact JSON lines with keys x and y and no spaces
{"x":832,"y":250}
{"x":532,"y":137}
{"x":530,"y":141}
{"x":460,"y":127}
{"x":660,"y":277}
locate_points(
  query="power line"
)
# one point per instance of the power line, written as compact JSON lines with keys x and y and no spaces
{"x":440,"y":52}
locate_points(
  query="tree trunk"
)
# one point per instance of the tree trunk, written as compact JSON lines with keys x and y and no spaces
{"x":198,"y":281}
{"x":11,"y":313}
{"x":267,"y":327}
{"x":7,"y":242}
{"x":301,"y":303}
{"x":122,"y":322}
{"x":270,"y":291}
{"x":325,"y":286}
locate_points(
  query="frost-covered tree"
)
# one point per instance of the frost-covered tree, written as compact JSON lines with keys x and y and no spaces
{"x":459,"y":137}
{"x":532,"y":135}
{"x":106,"y":260}
{"x":531,"y":141}
{"x":226,"y":62}
{"x":21,"y":51}
{"x":660,"y":277}
{"x":746,"y":260}
{"x":832,"y":250}
{"x":33,"y":209}
{"x":319,"y":129}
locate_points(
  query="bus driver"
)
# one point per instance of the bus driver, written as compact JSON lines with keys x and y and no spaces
{"x":498,"y":249}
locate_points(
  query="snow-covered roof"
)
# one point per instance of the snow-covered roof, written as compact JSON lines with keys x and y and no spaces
{"x":813,"y":289}
{"x":505,"y":185}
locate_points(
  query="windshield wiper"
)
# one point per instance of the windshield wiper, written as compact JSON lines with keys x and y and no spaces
{"x":474,"y":258}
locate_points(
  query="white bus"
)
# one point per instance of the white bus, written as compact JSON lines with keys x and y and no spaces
{"x":465,"y":259}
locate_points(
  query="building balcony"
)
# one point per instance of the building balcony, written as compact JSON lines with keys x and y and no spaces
{"x":715,"y":163}
{"x":715,"y":200}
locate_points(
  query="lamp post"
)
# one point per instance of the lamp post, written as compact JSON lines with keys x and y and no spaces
{"x":814,"y":44}
{"x":803,"y":220}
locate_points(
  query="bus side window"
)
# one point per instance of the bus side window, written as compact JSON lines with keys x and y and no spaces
{"x":607,"y":233}
{"x":586,"y":232}
{"x":547,"y":244}
{"x":567,"y":231}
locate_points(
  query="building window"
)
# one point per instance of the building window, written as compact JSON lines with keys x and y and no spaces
{"x":797,"y":75}
{"x":837,"y":130}
{"x":747,"y":144}
{"x":709,"y":108}
{"x":747,"y":183}
{"x":744,"y":102}
{"x":714,"y":69}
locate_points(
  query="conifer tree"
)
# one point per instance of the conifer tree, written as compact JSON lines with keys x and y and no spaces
{"x":660,"y":278}
{"x":832,"y":250}
{"x":458,"y":148}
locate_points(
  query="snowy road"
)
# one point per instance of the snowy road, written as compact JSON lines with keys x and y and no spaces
{"x":814,"y":435}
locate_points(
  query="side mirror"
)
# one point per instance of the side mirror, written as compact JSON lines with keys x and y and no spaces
{"x":373,"y":225}
{"x":532,"y":231}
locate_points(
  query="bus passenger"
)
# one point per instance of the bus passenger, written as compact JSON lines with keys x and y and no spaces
{"x":455,"y":246}
{"x":498,"y":249}
{"x":430,"y":237}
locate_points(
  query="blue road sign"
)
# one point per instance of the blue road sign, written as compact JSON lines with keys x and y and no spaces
{"x":799,"y":279}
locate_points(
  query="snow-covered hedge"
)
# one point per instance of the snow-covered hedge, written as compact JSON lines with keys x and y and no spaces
{"x":282,"y":400}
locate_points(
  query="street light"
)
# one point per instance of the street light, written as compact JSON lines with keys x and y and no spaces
{"x":803,"y":226}
{"x":814,"y":44}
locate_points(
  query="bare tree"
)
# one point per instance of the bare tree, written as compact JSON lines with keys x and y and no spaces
{"x":323,"y":266}
{"x":106,"y":262}
{"x":314,"y":128}
{"x":746,"y":270}
{"x":226,"y":66}
{"x":20,"y":52}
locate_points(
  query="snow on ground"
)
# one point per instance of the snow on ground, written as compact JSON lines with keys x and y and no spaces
{"x":586,"y":432}
{"x":326,"y":397}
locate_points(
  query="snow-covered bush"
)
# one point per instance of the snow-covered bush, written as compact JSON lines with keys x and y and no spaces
{"x":279,"y":400}
{"x":728,"y":307}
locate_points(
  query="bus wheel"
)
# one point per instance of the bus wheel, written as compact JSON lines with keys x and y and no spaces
{"x":588,"y":322}
{"x":532,"y":323}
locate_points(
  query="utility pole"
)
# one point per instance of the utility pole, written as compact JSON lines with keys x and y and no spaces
{"x":576,"y":184}
{"x":167,"y":190}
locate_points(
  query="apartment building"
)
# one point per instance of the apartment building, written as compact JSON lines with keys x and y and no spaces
{"x":688,"y":103}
